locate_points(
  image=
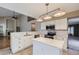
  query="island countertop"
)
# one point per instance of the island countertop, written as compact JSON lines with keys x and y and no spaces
{"x":52,"y":42}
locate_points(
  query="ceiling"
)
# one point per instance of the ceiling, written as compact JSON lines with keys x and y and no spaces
{"x":36,"y":9}
{"x":6,"y":12}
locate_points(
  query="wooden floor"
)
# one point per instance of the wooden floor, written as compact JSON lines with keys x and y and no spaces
{"x":6,"y":51}
{"x":4,"y":42}
{"x":27,"y":51}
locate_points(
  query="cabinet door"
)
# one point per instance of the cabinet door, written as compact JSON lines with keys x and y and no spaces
{"x":20,"y":41}
{"x":21,"y":44}
{"x":44,"y":49}
{"x":27,"y":41}
{"x":61,"y":24}
{"x":37,"y":48}
{"x":49,"y":50}
{"x":44,"y":24}
{"x":14,"y":45}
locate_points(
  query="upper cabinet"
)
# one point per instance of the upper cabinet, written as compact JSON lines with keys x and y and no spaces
{"x":61,"y":24}
{"x":44,"y":24}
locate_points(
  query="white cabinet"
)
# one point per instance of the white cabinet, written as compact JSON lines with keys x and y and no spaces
{"x":27,"y":40}
{"x":61,"y":24}
{"x":44,"y":24}
{"x":40,"y":48}
{"x":20,"y":41}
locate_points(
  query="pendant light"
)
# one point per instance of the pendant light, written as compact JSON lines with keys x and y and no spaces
{"x":39,"y":19}
{"x":44,"y":16}
{"x":47,"y":17}
{"x":58,"y":12}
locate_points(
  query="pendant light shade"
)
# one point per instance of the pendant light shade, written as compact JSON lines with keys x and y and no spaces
{"x":59,"y":13}
{"x":47,"y":17}
{"x":39,"y":20}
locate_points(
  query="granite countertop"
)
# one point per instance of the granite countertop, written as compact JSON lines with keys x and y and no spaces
{"x":52,"y":42}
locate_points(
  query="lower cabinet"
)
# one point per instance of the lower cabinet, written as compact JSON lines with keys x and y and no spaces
{"x":44,"y":49}
{"x":20,"y":42}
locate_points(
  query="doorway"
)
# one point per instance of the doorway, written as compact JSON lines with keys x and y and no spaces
{"x":10,"y":26}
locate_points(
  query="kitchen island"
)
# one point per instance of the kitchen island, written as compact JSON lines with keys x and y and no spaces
{"x":47,"y":46}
